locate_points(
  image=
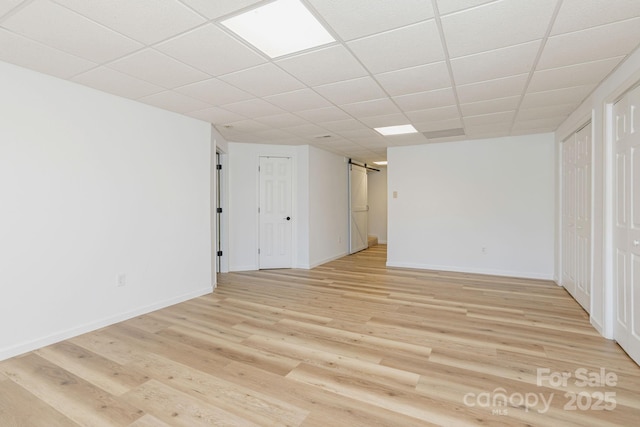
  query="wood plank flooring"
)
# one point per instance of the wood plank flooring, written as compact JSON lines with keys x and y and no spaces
{"x":350,"y":343}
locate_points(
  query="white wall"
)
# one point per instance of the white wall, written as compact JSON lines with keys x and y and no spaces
{"x":377,"y":192}
{"x":91,"y":186}
{"x":459,"y":197}
{"x":328,"y":206}
{"x":594,"y":108}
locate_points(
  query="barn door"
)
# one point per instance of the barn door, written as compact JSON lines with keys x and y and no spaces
{"x":358,"y":208}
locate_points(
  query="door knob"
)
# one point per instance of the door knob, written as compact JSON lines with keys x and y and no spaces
{"x":288,"y":218}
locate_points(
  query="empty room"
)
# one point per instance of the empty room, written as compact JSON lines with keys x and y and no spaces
{"x":319,"y":213}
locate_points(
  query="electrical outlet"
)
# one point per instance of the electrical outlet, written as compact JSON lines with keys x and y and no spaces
{"x":121,"y":280}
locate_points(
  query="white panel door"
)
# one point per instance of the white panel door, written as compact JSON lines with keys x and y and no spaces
{"x":582,"y":176}
{"x":627,"y":223}
{"x":359,"y":209}
{"x":569,"y":215}
{"x":576,"y":216}
{"x":275,"y":245}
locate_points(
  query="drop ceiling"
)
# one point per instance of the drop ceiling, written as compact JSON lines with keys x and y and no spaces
{"x":491,"y":68}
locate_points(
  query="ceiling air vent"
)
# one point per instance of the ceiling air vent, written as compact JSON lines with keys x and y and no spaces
{"x":445,"y":133}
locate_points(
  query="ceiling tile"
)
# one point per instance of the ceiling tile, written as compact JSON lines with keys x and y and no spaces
{"x":282,"y":120}
{"x":218,"y":8}
{"x":174,"y":101}
{"x":436,"y":125}
{"x":307,"y":130}
{"x":385,"y":120}
{"x":495,"y":64}
{"x":572,"y":75}
{"x":575,"y":15}
{"x":553,"y":111}
{"x":161,"y":18}
{"x":408,"y":139}
{"x":424,"y":100}
{"x":7,"y":5}
{"x":486,"y":119}
{"x":375,"y":107}
{"x":496,"y":25}
{"x":58,"y":27}
{"x":263,"y":80}
{"x":571,"y":95}
{"x":210,"y":49}
{"x":488,"y":130}
{"x":540,"y":125}
{"x":415,"y":79}
{"x":448,"y":6}
{"x":358,"y":18}
{"x":359,"y":133}
{"x":497,"y":88}
{"x":253,"y":108}
{"x":157,"y":68}
{"x":216,"y":115}
{"x":343,"y":125}
{"x":214,"y":92}
{"x":491,"y":106}
{"x":325,"y":114}
{"x":117,"y":83}
{"x":27,"y":53}
{"x":434,"y":114}
{"x":303,"y":99}
{"x":406,"y":47}
{"x":322,"y":66}
{"x":593,"y":44}
{"x":350,"y":91}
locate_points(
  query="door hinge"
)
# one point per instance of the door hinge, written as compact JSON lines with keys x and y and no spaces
{"x":219,"y":210}
{"x":219,"y":167}
{"x":258,"y":209}
{"x":258,"y":251}
{"x":219,"y":253}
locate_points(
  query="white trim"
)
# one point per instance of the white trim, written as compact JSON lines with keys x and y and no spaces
{"x":490,"y":272}
{"x":31,"y":345}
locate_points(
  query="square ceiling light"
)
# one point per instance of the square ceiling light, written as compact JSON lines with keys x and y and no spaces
{"x":280,"y":28}
{"x":396,"y":130}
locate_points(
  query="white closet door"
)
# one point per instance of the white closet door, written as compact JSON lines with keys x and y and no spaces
{"x":576,"y":216}
{"x":627,"y":223}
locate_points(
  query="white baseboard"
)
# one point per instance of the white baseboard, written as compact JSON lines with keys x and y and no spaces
{"x":455,"y":269}
{"x":31,"y":345}
{"x":324,"y":261}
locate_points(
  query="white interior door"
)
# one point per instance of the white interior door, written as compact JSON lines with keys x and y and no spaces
{"x":358,"y":208}
{"x":576,"y":216}
{"x":626,"y":238}
{"x":275,"y":245}
{"x":569,"y":214}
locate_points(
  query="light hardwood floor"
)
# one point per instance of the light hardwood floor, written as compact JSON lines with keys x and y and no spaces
{"x":351,"y":343}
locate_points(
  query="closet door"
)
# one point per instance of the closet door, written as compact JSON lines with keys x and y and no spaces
{"x":626,"y":238}
{"x":576,"y":216}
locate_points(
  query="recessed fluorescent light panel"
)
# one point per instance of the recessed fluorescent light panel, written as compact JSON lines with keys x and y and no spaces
{"x":280,"y":28}
{"x":396,"y":130}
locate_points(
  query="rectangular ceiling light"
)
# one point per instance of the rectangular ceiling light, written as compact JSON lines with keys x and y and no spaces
{"x":280,"y":28}
{"x":381,"y":163}
{"x":396,"y":130}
